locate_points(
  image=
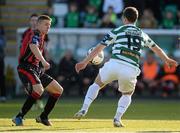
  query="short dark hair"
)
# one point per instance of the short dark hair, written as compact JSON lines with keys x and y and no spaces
{"x":43,"y":17}
{"x":131,"y":14}
{"x":33,"y":15}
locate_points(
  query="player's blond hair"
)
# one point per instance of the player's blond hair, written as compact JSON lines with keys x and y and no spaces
{"x":43,"y":17}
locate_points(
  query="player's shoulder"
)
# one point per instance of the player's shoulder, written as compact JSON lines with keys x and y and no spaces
{"x":145,"y":35}
{"x":35,"y":34}
{"x":117,"y":29}
{"x":35,"y":37}
{"x":123,"y":28}
{"x":28,"y":30}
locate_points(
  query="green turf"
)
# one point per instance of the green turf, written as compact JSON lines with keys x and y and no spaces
{"x":93,"y":125}
{"x":143,"y":115}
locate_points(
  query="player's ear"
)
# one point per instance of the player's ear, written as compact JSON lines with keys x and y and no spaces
{"x":123,"y":19}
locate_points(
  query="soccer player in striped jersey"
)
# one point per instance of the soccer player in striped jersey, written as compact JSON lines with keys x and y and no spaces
{"x":32,"y":23}
{"x":32,"y":75}
{"x":127,"y":43}
{"x":32,"y":27}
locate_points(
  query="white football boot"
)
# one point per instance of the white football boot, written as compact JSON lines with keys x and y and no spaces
{"x":117,"y":123}
{"x":80,"y":114}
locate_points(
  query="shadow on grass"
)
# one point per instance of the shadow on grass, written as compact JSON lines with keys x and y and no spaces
{"x":77,"y":121}
{"x":55,"y":129}
{"x":31,"y":129}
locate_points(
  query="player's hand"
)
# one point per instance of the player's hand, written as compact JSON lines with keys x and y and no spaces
{"x":80,"y":66}
{"x":171,"y":63}
{"x":46,"y":65}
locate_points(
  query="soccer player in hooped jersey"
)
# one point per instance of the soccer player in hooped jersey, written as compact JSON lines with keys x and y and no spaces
{"x":32,"y":22}
{"x":33,"y":76}
{"x":127,"y":42}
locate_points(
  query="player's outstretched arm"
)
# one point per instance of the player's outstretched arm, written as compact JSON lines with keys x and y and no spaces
{"x":35,"y":50}
{"x":94,"y":53}
{"x":158,"y":51}
{"x":81,"y":65}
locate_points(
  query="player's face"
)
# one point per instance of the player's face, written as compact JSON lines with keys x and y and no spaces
{"x":33,"y":22}
{"x":44,"y":26}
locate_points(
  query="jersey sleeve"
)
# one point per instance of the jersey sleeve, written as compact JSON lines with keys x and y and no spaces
{"x":35,"y":39}
{"x":148,"y":42}
{"x":109,"y":39}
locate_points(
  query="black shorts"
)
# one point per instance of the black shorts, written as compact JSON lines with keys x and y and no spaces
{"x":31,"y":75}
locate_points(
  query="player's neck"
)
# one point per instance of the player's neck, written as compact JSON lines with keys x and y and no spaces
{"x":33,"y":29}
{"x":129,"y":23}
{"x":41,"y":33}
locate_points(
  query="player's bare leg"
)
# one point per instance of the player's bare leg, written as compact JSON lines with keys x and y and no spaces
{"x":33,"y":96}
{"x":55,"y":91}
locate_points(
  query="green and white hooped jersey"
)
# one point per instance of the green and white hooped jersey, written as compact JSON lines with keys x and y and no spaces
{"x":128,"y":42}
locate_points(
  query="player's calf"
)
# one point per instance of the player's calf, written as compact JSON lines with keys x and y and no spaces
{"x":43,"y":118}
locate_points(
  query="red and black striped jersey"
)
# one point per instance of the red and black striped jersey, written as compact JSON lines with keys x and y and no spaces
{"x":27,"y":31}
{"x":26,"y":55}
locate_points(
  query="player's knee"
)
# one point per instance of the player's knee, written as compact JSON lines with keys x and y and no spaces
{"x":59,"y":89}
{"x":128,"y":93}
{"x":99,"y":82}
{"x":36,"y":94}
{"x":37,"y":91}
{"x":57,"y":92}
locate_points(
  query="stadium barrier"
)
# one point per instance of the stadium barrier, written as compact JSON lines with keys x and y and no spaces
{"x":79,"y":40}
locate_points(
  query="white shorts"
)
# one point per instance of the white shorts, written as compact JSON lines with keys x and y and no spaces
{"x":121,"y":71}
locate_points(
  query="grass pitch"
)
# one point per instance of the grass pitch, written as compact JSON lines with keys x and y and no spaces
{"x":142,"y":116}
